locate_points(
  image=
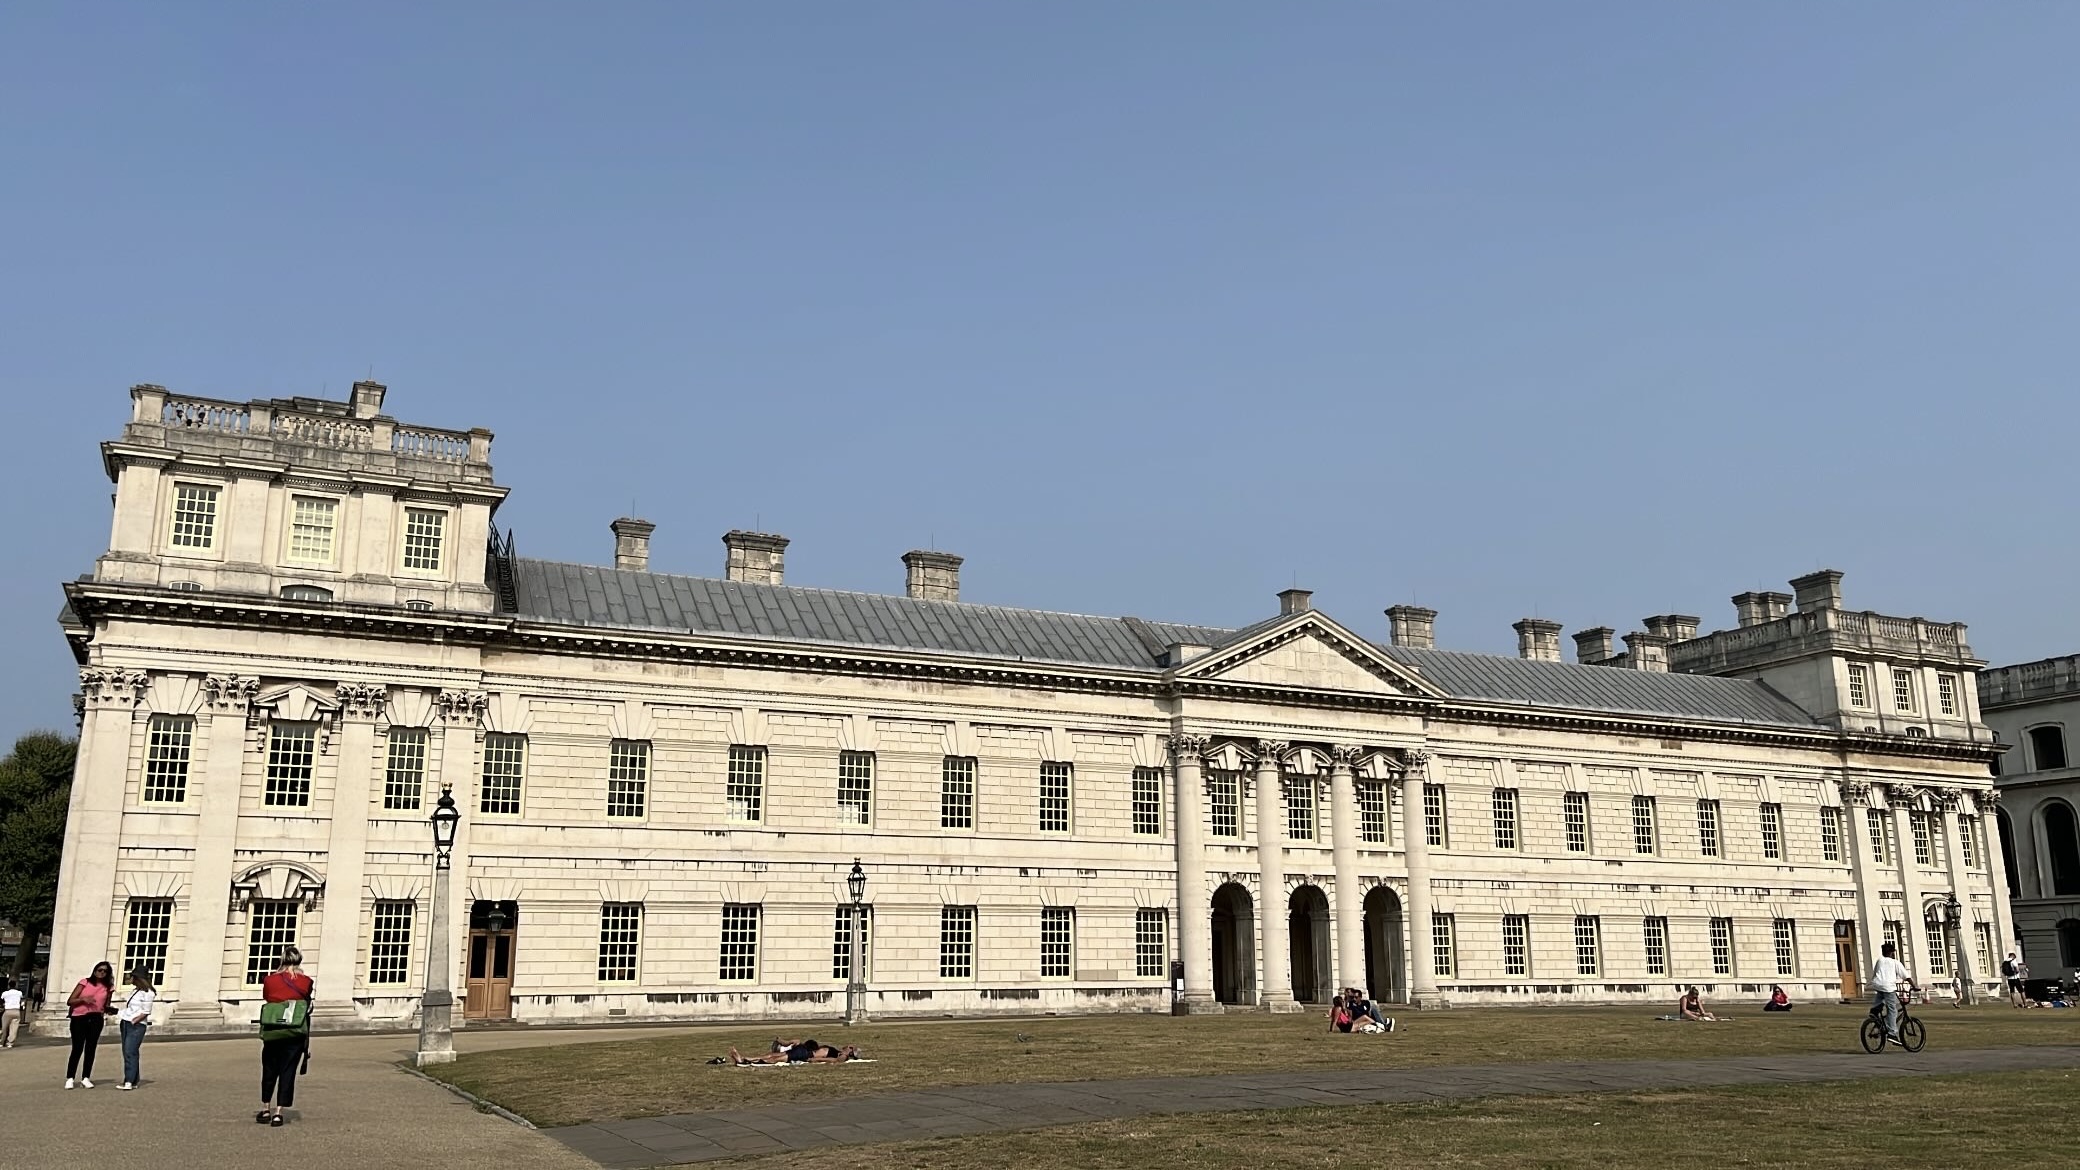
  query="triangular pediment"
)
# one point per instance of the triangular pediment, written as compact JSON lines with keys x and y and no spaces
{"x":1308,"y":652}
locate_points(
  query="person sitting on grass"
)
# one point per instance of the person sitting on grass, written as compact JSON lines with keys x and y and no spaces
{"x":1362,"y":1008}
{"x":799,"y":1052}
{"x":1691,"y":1007}
{"x":1778,"y":1001}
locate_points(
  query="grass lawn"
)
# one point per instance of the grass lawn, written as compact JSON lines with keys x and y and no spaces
{"x":2008,"y":1120}
{"x":572,"y":1083}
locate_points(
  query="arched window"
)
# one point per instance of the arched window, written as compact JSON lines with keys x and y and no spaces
{"x":2047,"y":747}
{"x":2062,"y":845}
{"x":2000,"y":824}
{"x":305,"y":593}
{"x":2069,"y":943}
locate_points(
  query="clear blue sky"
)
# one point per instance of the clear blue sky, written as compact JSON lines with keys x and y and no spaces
{"x":1588,"y":311}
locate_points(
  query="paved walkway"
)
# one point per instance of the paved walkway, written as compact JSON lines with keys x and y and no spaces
{"x":699,"y":1137}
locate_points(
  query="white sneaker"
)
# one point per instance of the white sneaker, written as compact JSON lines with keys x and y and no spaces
{"x":68,"y":1082}
{"x":126,"y":1086}
{"x":84,"y":1083}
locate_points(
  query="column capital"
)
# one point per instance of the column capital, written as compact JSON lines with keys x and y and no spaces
{"x":1987,"y":799}
{"x":462,"y":707}
{"x":1854,"y":792}
{"x":1344,"y":757}
{"x":1188,"y":748}
{"x":1271,"y":753}
{"x":230,"y":693}
{"x":361,"y":700}
{"x":103,"y":687}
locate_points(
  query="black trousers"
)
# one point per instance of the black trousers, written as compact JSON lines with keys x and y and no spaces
{"x":86,"y":1034}
{"x":278,"y":1061}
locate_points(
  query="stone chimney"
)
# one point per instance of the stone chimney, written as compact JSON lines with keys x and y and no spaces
{"x":931,"y":576}
{"x":368,"y":399}
{"x":1676,"y":627}
{"x":757,"y":557}
{"x":632,"y":543}
{"x":1539,"y":639}
{"x":1295,"y":601}
{"x":1747,"y":609}
{"x":1594,"y":646}
{"x":1414,"y":626}
{"x":1821,"y":590}
{"x":1647,"y":652}
{"x":1775,"y":606}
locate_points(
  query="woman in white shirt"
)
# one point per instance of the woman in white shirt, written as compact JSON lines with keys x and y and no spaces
{"x":10,"y":1015}
{"x":135,"y":1017}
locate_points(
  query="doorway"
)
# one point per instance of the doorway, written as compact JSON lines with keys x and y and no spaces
{"x":1234,"y":946}
{"x":488,"y":990}
{"x":1383,"y":965}
{"x":1308,"y":935}
{"x":1845,"y":959}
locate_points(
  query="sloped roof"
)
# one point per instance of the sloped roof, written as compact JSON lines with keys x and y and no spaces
{"x":590,"y":595}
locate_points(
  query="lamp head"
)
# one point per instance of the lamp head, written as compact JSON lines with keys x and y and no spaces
{"x":445,"y":818}
{"x":856,"y":882}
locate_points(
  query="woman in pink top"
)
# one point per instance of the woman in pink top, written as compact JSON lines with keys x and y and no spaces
{"x":90,"y":1008}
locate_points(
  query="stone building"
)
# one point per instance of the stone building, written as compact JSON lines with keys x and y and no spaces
{"x":2031,"y":707}
{"x":306,"y":625}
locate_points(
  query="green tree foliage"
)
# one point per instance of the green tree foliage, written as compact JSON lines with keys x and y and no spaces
{"x":35,"y":788}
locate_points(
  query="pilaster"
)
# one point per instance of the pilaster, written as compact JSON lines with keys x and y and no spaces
{"x":460,"y":717}
{"x":346,"y":850}
{"x":1415,"y":844}
{"x":83,"y":923}
{"x":1901,"y":799}
{"x":1856,"y":838}
{"x":1987,"y":801}
{"x":1343,"y":838}
{"x":199,"y":977}
{"x":1194,"y":903}
{"x":1277,"y":994}
{"x":1966,"y":941}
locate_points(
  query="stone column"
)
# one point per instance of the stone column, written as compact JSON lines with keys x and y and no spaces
{"x":1194,"y":904}
{"x":1967,"y":936}
{"x":346,"y":853}
{"x":83,"y":926}
{"x":1415,"y":851}
{"x":1900,"y":799}
{"x":460,"y":716}
{"x":1988,"y":802}
{"x":1343,"y":838}
{"x":1277,"y":988}
{"x":1870,"y":909}
{"x":200,"y":981}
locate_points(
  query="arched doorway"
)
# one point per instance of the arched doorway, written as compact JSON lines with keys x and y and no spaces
{"x":1383,"y":963}
{"x":1234,"y":946}
{"x":1308,"y":931}
{"x":2061,"y":849}
{"x":2000,"y":823}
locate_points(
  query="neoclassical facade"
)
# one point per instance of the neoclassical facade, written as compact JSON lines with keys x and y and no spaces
{"x":2033,"y":707}
{"x":306,"y":626}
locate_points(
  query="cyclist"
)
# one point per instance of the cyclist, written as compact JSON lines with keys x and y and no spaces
{"x":1888,"y":979}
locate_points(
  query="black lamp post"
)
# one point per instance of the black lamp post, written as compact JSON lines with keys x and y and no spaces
{"x":855,"y":983}
{"x":437,"y":1005}
{"x":1953,"y":925}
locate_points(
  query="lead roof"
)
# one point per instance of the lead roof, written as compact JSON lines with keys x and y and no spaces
{"x":590,"y":595}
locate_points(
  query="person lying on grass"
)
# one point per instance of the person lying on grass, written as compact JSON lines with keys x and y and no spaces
{"x":799,"y":1052}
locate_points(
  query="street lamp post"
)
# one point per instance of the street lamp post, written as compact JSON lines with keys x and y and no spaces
{"x":437,"y":1005}
{"x":855,"y":981}
{"x":1953,"y":922}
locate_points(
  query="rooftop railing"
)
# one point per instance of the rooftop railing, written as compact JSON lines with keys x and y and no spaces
{"x":285,"y":422}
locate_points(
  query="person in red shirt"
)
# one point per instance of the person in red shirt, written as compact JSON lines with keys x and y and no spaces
{"x":90,"y":1010}
{"x":279,"y":1057}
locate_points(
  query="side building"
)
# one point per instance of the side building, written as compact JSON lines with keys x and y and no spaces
{"x":306,"y":626}
{"x":2033,"y":707}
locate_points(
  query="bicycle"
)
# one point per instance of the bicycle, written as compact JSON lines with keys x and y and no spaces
{"x":1911,"y":1034}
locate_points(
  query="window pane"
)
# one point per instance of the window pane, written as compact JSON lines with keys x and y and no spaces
{"x":1654,"y":932}
{"x":194,"y":515}
{"x":1057,"y":941}
{"x":1831,"y":833}
{"x":404,"y":768}
{"x":747,"y":784}
{"x":422,"y":538}
{"x":1433,"y":815}
{"x":147,"y":935}
{"x":1299,"y":793}
{"x":292,"y":752}
{"x":628,"y":777}
{"x":1643,"y":824}
{"x":1372,"y":812}
{"x":739,"y":962}
{"x":270,"y":928}
{"x":855,"y":789}
{"x":1516,"y":944}
{"x":505,"y":766}
{"x":170,"y":740}
{"x":841,"y":941}
{"x":1773,"y":831}
{"x":1151,"y":944}
{"x":1054,"y":798}
{"x":620,"y":941}
{"x":1148,"y":802}
{"x":1588,"y":959}
{"x":390,"y":944}
{"x":1444,"y":959}
{"x":1225,"y":813}
{"x":1903,"y":690}
{"x":1708,"y":828}
{"x":957,"y":793}
{"x":1505,"y":805}
{"x":310,"y":530}
{"x":1722,"y":946}
{"x":1577,"y":813}
{"x":957,"y":942}
{"x":1784,"y":934}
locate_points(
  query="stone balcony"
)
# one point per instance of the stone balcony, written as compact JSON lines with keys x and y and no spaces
{"x":307,"y":432}
{"x":1859,"y":632}
{"x":2029,"y":682}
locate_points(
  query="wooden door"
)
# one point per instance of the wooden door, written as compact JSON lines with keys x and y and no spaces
{"x":493,"y":935}
{"x":1845,"y":959}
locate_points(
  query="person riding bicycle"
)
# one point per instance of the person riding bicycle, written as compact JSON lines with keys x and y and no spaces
{"x":1888,"y":978}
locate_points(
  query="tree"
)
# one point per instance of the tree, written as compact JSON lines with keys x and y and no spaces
{"x":35,"y":790}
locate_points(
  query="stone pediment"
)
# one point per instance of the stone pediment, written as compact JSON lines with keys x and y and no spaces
{"x":1308,"y":652}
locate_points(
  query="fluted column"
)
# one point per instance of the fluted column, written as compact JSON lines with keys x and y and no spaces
{"x":1277,"y":992}
{"x":1415,"y":851}
{"x":1900,"y":799}
{"x":1870,"y":910}
{"x":1343,"y":838}
{"x":1194,"y":904}
{"x":346,"y":854}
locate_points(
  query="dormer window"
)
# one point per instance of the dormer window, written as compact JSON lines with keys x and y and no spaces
{"x":1859,"y":686}
{"x":305,"y":593}
{"x":194,"y":515}
{"x":423,"y":528}
{"x":311,"y":523}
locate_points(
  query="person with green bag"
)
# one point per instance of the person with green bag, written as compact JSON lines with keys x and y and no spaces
{"x":285,"y":1034}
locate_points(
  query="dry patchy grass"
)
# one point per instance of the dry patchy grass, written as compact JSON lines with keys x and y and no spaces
{"x":573,"y":1083}
{"x":2009,"y":1120}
